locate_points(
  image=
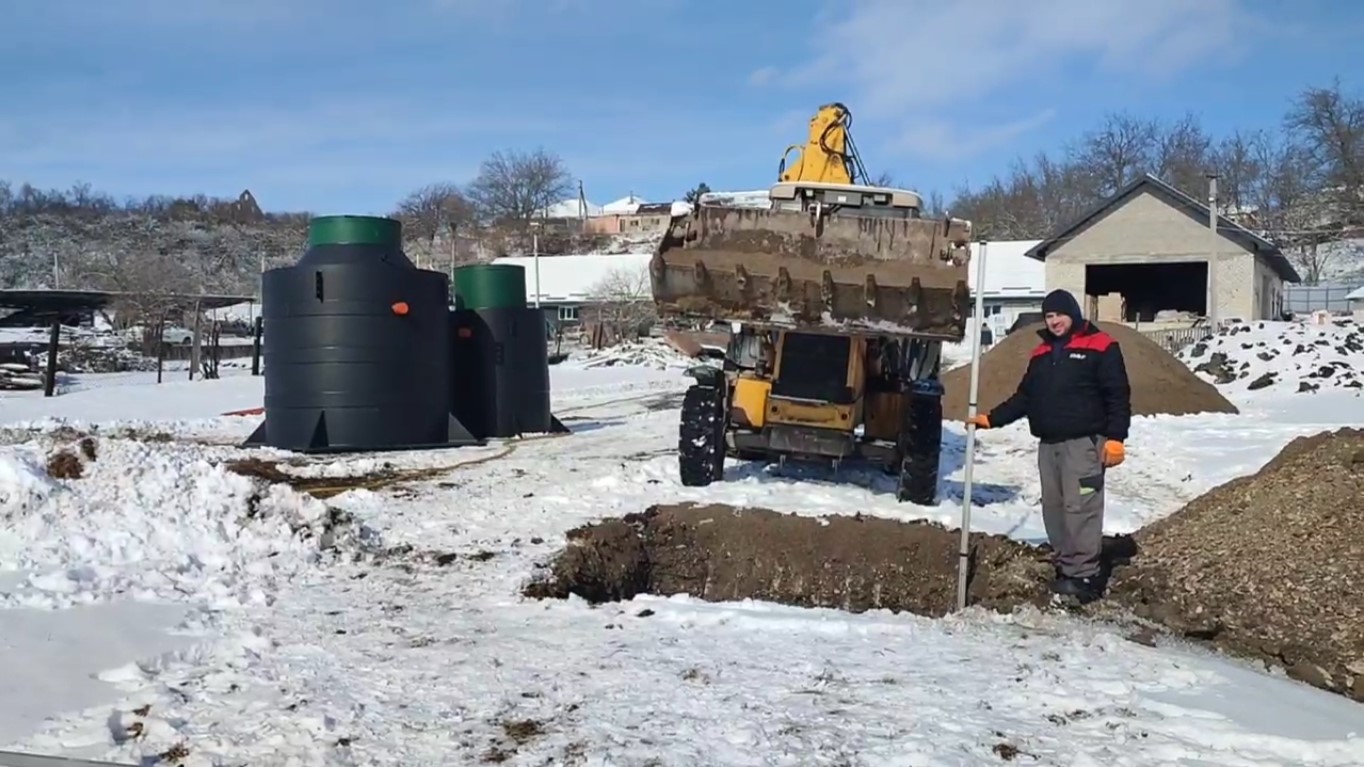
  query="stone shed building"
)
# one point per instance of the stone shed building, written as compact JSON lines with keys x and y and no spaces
{"x":1143,"y":256}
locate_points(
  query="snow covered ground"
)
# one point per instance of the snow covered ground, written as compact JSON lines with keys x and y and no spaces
{"x":1300,"y":357}
{"x":161,"y":600}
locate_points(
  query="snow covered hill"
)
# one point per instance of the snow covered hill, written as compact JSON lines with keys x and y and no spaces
{"x":1284,"y":356}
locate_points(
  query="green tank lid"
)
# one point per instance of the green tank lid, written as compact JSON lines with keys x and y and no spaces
{"x":490,"y":286}
{"x":355,"y":230}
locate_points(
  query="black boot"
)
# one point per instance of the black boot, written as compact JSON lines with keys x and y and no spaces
{"x":1083,"y":590}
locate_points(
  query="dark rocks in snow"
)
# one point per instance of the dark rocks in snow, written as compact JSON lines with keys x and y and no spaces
{"x":1263,"y":381}
{"x":1218,"y":368}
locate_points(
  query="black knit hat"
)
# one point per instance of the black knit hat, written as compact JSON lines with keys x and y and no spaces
{"x":1062,"y":302}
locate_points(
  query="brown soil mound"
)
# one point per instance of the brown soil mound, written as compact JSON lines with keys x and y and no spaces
{"x":1268,"y":566}
{"x":858,"y":563}
{"x":1161,"y":384}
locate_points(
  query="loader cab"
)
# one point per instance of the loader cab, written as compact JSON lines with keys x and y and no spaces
{"x":847,"y":199}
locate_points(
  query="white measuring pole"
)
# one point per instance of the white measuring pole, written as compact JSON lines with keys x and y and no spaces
{"x":964,"y":551}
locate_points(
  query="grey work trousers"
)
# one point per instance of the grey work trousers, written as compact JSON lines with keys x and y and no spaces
{"x":1072,"y":474}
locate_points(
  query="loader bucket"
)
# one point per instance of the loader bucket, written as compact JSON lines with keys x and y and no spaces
{"x":901,"y":276}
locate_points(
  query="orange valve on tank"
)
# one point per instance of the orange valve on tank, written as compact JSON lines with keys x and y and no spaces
{"x":401,"y":308}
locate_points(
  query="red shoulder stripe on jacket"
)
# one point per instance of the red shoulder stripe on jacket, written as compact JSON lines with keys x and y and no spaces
{"x":1098,"y":341}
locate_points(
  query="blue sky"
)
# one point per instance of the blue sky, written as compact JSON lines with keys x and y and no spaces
{"x":343,"y":106}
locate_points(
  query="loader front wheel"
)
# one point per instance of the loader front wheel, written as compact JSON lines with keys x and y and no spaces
{"x":701,"y":436}
{"x":920,"y":444}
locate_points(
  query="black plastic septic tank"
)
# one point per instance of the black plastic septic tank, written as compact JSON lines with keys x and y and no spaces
{"x":356,"y":345}
{"x":500,"y":384}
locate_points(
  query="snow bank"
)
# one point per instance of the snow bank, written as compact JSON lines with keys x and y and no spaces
{"x":152,"y":521}
{"x":757,"y":198}
{"x":1281,"y":356}
{"x":647,"y":353}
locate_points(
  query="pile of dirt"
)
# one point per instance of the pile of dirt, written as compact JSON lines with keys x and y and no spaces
{"x":1161,"y":384}
{"x":69,"y":462}
{"x":1268,"y":566}
{"x":853,"y":563}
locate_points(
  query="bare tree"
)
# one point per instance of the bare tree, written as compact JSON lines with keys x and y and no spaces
{"x":693,"y":195}
{"x":1182,"y":154}
{"x":1118,"y":151}
{"x":623,"y":301}
{"x":1288,"y":207}
{"x":934,"y":204}
{"x":1329,"y":126}
{"x":428,"y":211}
{"x":433,"y":209}
{"x":516,"y":186}
{"x":1033,"y":201}
{"x":1238,"y":166}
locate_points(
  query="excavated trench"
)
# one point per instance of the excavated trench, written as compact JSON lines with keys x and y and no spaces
{"x":1260,"y":567}
{"x":852,"y":563}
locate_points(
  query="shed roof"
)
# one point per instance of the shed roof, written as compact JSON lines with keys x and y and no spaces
{"x":1148,"y":183}
{"x":574,"y":278}
{"x":53,"y":301}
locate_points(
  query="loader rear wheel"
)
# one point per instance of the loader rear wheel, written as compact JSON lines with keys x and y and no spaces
{"x":920,"y":444}
{"x":701,"y":436}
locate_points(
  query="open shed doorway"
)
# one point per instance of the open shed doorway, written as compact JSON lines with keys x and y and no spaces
{"x":1146,"y":290}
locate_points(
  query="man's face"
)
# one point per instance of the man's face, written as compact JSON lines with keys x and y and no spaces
{"x":1057,"y":323}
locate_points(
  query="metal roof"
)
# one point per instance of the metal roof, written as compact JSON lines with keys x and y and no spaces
{"x":44,"y":301}
{"x":1225,"y":226}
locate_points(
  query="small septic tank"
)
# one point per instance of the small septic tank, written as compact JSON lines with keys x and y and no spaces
{"x":357,"y":345}
{"x":501,"y":385}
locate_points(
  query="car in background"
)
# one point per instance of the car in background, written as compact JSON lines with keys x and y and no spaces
{"x":172,"y":335}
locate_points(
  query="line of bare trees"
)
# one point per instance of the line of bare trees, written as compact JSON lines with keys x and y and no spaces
{"x":84,"y":238}
{"x":512,"y":189}
{"x":1301,"y":184}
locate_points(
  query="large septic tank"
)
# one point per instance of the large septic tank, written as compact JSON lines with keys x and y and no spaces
{"x":500,"y":387}
{"x":356,"y":345}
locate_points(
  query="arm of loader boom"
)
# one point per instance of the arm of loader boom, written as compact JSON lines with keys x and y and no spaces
{"x":829,"y":155}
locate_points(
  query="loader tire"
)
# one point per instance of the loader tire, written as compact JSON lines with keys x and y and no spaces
{"x":920,"y":444}
{"x":701,"y":436}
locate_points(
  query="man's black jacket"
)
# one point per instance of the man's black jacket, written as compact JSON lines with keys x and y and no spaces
{"x":1072,"y":389}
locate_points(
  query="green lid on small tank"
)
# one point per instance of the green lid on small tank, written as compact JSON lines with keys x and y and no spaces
{"x":490,"y":286}
{"x":355,"y":230}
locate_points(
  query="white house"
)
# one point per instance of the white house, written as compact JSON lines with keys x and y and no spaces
{"x":625,"y":206}
{"x":1014,"y":283}
{"x":563,"y":285}
{"x":574,"y":208}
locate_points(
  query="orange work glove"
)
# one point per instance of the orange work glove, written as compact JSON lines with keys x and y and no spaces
{"x":1113,"y":453}
{"x":980,"y":422}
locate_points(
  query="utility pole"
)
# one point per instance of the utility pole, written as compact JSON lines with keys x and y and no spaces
{"x":535,"y":259}
{"x":452,"y":255}
{"x":1213,"y":315}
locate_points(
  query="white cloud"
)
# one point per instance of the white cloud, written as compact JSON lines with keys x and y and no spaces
{"x":763,"y":75}
{"x":911,"y":61}
{"x":944,"y":141}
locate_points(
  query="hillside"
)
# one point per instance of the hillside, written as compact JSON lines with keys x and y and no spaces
{"x":217,"y":247}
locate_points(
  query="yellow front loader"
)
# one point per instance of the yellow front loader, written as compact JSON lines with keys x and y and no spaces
{"x":839,"y":296}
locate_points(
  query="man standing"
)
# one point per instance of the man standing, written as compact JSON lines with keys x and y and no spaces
{"x":1078,"y":402}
